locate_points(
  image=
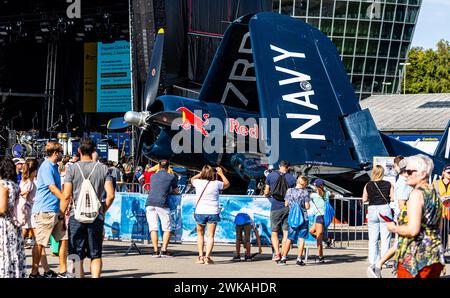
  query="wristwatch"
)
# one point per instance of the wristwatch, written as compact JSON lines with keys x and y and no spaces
{"x":60,"y":217}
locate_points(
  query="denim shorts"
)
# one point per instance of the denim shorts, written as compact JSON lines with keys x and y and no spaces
{"x":299,"y":232}
{"x":86,"y":240}
{"x":203,"y":219}
{"x":320,"y":219}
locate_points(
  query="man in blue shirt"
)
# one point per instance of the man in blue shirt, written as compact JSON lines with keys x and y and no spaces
{"x":157,"y":206}
{"x":278,"y":211}
{"x":46,"y":214}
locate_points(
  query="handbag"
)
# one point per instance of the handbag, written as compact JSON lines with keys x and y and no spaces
{"x":387,"y":201}
{"x":201,"y":195}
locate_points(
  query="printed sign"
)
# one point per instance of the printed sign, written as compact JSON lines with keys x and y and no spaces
{"x":113,"y":77}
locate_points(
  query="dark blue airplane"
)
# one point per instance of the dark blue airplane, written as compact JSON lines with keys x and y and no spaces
{"x":272,"y":66}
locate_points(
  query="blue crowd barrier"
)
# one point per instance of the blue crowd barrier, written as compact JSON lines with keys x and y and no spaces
{"x":126,"y":217}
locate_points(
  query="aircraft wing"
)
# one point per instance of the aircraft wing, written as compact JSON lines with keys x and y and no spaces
{"x":302,"y":82}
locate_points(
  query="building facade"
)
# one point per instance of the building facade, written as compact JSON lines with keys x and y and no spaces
{"x":372,"y":36}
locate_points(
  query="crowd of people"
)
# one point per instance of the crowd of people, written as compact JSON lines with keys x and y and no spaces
{"x":67,"y":198}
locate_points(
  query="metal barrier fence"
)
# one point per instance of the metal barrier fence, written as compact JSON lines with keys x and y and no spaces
{"x":349,"y":227}
{"x":132,"y":187}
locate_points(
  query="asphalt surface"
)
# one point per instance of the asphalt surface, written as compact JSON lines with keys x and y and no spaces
{"x":339,"y":263}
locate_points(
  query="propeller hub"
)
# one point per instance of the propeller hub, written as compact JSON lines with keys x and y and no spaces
{"x":138,"y":119}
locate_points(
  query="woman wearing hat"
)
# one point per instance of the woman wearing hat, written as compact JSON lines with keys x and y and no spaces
{"x":318,"y":199}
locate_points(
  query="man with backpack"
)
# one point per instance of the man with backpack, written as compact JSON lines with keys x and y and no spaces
{"x":85,"y":182}
{"x":277,"y":184}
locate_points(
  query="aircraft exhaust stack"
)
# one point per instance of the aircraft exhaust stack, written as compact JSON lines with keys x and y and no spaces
{"x":136,"y":118}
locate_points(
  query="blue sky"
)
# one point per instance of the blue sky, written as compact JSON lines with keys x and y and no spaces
{"x":433,"y":23}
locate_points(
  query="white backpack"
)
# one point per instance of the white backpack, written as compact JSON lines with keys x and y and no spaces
{"x":88,"y":205}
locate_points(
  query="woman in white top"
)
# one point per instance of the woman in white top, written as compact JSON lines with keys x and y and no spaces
{"x":206,"y":213}
{"x":27,"y":194}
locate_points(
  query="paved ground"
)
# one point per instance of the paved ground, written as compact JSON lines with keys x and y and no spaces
{"x":339,"y":263}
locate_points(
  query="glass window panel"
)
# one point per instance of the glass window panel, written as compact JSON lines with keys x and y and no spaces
{"x":391,"y":67}
{"x":411,"y":14}
{"x":356,"y":82}
{"x":349,"y":46}
{"x":381,"y":66}
{"x":397,"y":33}
{"x":386,"y":32}
{"x":287,"y":7}
{"x":367,"y":85}
{"x":338,"y":43}
{"x":314,"y":8}
{"x":338,"y":29}
{"x":375,"y":29}
{"x":414,"y":2}
{"x":367,"y":10}
{"x":400,"y":13}
{"x":351,"y":28}
{"x":373,"y":48}
{"x":384,"y":47}
{"x":377,"y":84}
{"x":340,"y":10}
{"x":407,"y":34}
{"x":353,"y":10}
{"x":327,"y":8}
{"x":389,"y":12}
{"x":348,"y":64}
{"x":325,"y":26}
{"x":361,"y":47}
{"x":370,"y":65}
{"x":358,"y":67}
{"x":363,"y":28}
{"x":395,"y":47}
{"x":404,"y":49}
{"x":300,"y":7}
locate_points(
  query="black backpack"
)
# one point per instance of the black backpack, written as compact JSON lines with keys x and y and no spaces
{"x":280,"y":189}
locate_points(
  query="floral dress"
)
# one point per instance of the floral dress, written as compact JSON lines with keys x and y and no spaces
{"x":426,"y":248}
{"x":12,"y":254}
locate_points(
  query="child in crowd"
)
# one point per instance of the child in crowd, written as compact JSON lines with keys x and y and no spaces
{"x":297,"y":195}
{"x":318,"y":199}
{"x":245,"y":224}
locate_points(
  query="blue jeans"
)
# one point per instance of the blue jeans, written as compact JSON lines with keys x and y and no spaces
{"x":203,"y":219}
{"x":378,"y":231}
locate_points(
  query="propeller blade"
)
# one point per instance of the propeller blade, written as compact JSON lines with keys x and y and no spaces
{"x":151,"y":86}
{"x":164,"y":118}
{"x":146,"y":134}
{"x":117,"y":123}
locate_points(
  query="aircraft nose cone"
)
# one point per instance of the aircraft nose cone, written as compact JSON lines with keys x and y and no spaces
{"x":134,"y":118}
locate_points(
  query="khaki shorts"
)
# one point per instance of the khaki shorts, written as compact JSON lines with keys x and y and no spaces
{"x":47,"y":224}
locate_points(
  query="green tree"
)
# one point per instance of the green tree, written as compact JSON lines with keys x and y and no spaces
{"x":429,"y":71}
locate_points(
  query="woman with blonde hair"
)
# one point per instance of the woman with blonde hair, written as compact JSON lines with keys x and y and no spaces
{"x":379,"y":193}
{"x":206,"y":213}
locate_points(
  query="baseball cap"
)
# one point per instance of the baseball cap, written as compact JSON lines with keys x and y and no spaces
{"x":318,"y":182}
{"x":18,"y":161}
{"x":447,"y":168}
{"x":402,"y":164}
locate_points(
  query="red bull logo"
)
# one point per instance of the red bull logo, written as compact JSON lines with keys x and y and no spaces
{"x":190,"y":119}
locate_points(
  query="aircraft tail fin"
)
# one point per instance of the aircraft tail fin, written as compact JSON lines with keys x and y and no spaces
{"x":443,"y":148}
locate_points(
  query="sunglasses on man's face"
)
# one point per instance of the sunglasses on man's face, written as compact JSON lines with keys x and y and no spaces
{"x":410,"y":172}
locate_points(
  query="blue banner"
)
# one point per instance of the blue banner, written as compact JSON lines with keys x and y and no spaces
{"x":113,"y":77}
{"x":126,"y":218}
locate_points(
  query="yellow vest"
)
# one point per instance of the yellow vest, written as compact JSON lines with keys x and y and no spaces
{"x":444,"y":194}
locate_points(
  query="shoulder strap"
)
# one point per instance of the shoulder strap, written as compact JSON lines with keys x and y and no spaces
{"x":201,"y":195}
{"x":381,"y":192}
{"x":90,"y":174}
{"x":312,"y":200}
